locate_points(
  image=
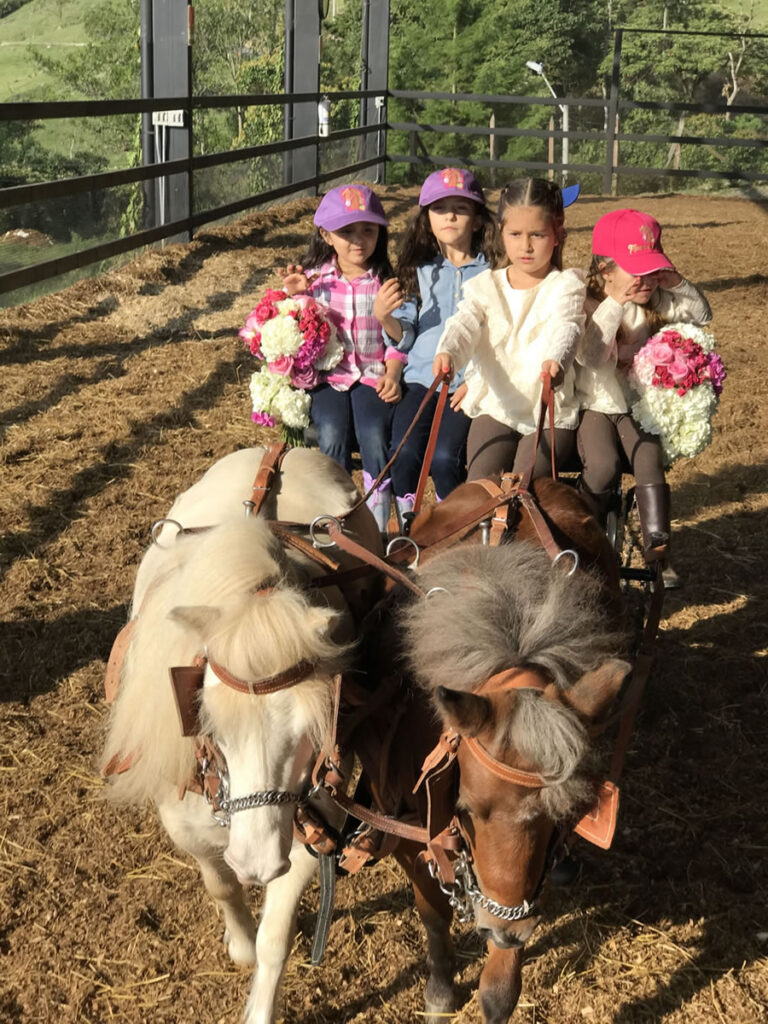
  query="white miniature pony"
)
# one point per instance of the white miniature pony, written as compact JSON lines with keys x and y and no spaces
{"x":234,"y":593}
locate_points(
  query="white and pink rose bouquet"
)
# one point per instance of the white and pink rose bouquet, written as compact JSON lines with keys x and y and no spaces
{"x":677,"y":377}
{"x":295,"y":342}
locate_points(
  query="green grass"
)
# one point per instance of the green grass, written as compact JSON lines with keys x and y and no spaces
{"x":55,"y":25}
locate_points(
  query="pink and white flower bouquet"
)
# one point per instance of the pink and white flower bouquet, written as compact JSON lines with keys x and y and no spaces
{"x":677,"y":377}
{"x":295,"y":342}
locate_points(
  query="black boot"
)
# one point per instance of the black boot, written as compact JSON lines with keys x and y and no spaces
{"x":598,"y":502}
{"x":653,"y":508}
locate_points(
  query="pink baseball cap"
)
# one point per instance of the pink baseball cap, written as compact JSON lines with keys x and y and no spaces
{"x":451,"y":181}
{"x":348,"y":204}
{"x":632,"y":239}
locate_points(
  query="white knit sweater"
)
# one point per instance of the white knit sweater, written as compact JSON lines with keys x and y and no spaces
{"x":503,"y":347}
{"x":601,"y":362}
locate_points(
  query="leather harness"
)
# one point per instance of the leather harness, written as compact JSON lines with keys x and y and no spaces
{"x":442,"y":836}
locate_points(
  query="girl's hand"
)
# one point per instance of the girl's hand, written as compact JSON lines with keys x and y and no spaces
{"x":457,"y":397}
{"x":443,"y":364}
{"x":388,"y":389}
{"x":550,"y":367}
{"x":295,"y":281}
{"x":388,"y":299}
{"x":668,"y":279}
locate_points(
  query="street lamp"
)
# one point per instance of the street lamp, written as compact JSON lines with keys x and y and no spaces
{"x":538,"y":69}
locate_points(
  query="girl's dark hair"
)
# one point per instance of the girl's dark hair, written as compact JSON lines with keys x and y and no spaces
{"x":596,"y":291}
{"x":537,"y":192}
{"x":420,"y":246}
{"x":319,"y":251}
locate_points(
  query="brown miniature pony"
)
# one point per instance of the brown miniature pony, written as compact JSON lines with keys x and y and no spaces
{"x":517,"y":660}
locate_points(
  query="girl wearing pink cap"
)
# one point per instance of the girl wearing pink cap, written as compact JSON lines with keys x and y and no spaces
{"x":632,"y":290}
{"x":348,"y":261}
{"x":452,"y":239}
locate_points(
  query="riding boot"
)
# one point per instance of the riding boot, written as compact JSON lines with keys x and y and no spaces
{"x":379,"y":501}
{"x":598,"y":502}
{"x":404,"y":510}
{"x":653,"y":508}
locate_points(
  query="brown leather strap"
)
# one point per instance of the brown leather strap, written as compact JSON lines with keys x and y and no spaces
{"x":503,"y":771}
{"x":299,"y":543}
{"x":336,"y":533}
{"x":547,"y":406}
{"x":431,"y":445}
{"x":281,"y":681}
{"x":382,"y":475}
{"x":539,"y":523}
{"x":271,"y":462}
{"x":414,"y":833}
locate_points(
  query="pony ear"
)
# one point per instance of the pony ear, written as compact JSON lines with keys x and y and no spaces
{"x":592,"y":696}
{"x":465,"y":712}
{"x":197,"y":618}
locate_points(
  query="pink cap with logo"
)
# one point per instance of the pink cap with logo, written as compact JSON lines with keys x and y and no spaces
{"x":633,"y":240}
{"x":348,"y":204}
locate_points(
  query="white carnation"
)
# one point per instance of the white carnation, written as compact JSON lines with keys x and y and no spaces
{"x":292,"y":406}
{"x":280,"y":336}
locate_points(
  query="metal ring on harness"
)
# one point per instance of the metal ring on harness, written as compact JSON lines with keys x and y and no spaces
{"x":409,"y":540}
{"x":158,"y":526}
{"x":574,"y":555}
{"x":435,"y":590}
{"x":314,"y":525}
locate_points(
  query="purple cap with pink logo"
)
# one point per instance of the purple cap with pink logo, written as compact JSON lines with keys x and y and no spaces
{"x":632,"y":239}
{"x":450,"y":181}
{"x":348,"y":204}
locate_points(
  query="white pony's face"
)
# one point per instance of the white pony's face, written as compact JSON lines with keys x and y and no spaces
{"x":270,"y":741}
{"x":269,"y":745}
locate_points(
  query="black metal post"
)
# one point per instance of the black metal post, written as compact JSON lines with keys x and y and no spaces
{"x":290,"y":15}
{"x":146,"y":45}
{"x":612,"y":112}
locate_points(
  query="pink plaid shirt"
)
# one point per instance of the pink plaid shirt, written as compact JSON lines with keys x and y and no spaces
{"x":350,"y":309}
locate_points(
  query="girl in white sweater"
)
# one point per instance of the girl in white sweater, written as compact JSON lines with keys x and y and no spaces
{"x":512,"y":326}
{"x":633,"y":290}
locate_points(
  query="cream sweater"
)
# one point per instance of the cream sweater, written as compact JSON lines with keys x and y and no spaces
{"x":502,"y":339}
{"x":601,"y":362}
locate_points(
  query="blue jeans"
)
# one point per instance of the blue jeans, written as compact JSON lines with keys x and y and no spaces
{"x":342,"y":416}
{"x":449,"y":463}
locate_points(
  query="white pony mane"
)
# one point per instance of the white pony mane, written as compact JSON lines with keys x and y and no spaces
{"x":208,"y":599}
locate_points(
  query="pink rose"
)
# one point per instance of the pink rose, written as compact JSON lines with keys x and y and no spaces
{"x":305,"y":378}
{"x":283,"y":365}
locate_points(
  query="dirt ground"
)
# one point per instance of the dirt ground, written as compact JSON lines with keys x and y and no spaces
{"x":116,"y":395}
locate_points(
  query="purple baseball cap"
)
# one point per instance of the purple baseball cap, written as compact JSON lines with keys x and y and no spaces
{"x":348,"y":204}
{"x":451,"y":181}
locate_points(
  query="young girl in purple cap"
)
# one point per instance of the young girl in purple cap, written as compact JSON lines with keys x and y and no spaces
{"x":633,"y":289}
{"x":513,"y":325}
{"x":451,"y":240}
{"x":348,"y":263}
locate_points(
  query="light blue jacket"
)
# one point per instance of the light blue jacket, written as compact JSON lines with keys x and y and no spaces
{"x":441,"y":286}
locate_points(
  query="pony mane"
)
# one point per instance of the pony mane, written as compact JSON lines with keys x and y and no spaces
{"x":209,"y":600}
{"x":505,"y":607}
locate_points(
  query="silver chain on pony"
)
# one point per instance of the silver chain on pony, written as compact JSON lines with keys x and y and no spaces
{"x":227,"y":807}
{"x":465,"y":894}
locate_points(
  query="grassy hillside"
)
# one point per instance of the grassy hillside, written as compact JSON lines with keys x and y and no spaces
{"x":55,"y":25}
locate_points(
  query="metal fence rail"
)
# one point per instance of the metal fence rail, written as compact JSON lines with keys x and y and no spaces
{"x":376,"y":129}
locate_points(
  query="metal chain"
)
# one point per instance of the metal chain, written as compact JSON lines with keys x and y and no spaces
{"x":465,"y":894}
{"x":224,"y":808}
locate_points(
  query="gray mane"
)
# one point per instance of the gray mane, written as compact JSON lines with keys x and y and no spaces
{"x":509,"y":606}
